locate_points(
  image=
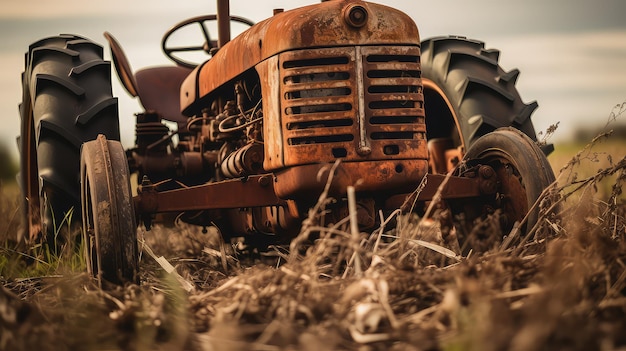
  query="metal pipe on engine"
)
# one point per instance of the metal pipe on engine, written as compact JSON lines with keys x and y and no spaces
{"x":243,"y":161}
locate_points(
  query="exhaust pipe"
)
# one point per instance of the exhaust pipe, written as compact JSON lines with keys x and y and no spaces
{"x":223,"y":22}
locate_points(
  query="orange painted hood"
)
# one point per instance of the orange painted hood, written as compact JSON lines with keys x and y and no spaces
{"x":319,"y":25}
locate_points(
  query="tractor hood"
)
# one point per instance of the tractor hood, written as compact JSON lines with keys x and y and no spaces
{"x":327,"y":24}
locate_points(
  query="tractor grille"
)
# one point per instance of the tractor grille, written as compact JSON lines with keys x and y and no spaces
{"x":354,"y":103}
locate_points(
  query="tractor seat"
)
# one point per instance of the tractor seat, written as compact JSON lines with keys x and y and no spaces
{"x":158,"y":89}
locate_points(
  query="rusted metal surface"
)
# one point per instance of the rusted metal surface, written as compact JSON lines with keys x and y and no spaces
{"x":340,"y":80}
{"x":223,"y":22}
{"x":272,"y":220}
{"x":514,"y":201}
{"x":455,"y":188}
{"x":384,"y":177}
{"x":332,"y":87}
{"x":243,"y":161}
{"x":354,"y":103}
{"x":253,"y":191}
{"x":319,"y":25}
{"x":122,"y":66}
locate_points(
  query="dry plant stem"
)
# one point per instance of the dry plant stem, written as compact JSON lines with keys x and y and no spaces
{"x":20,"y":238}
{"x":531,"y":290}
{"x":416,"y":193}
{"x":419,"y":316}
{"x":230,"y":344}
{"x":587,"y":148}
{"x":435,"y":201}
{"x":434,"y":247}
{"x":351,"y":261}
{"x":614,"y":236}
{"x":437,"y":197}
{"x":383,"y":296}
{"x":617,"y":285}
{"x":354,"y":229}
{"x":589,"y":182}
{"x":223,"y":254}
{"x":308,"y":222}
{"x":26,"y":255}
{"x":516,"y":228}
{"x":383,"y":223}
{"x":329,"y":230}
{"x":596,"y":177}
{"x":514,"y":233}
{"x":437,"y":248}
{"x":168,"y":267}
{"x":229,"y":283}
{"x":120,"y":305}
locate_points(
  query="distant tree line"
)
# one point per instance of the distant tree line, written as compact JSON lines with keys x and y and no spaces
{"x":587,"y":134}
{"x":8,"y":164}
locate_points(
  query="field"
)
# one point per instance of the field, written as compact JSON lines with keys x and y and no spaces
{"x":562,"y":287}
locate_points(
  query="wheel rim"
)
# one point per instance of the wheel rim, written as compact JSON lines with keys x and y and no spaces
{"x":511,"y":197}
{"x":89,"y":230}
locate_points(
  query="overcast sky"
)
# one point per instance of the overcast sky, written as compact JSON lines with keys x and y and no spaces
{"x":571,"y":53}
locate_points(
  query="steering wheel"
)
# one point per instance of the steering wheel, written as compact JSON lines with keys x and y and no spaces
{"x":209,"y":44}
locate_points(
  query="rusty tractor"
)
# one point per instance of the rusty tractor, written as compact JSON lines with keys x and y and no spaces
{"x":254,"y":126}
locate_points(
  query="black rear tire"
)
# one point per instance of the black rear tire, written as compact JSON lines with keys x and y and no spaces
{"x":467,"y":94}
{"x":67,"y":100}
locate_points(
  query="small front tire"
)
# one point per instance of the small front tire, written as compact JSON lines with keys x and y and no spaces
{"x":109,"y":226}
{"x":522,"y":173}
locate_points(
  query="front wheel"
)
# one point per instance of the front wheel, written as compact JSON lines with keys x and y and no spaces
{"x":522,"y":172}
{"x":109,"y":229}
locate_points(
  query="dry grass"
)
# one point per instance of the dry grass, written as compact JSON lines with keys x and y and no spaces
{"x":9,"y":211}
{"x":565,"y":291}
{"x":405,"y":288}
